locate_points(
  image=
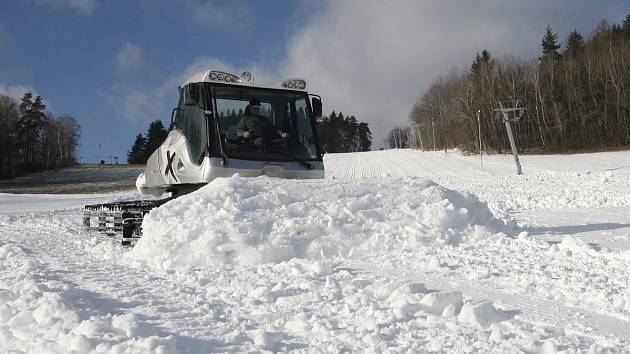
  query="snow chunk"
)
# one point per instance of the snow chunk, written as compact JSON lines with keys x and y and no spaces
{"x":141,"y":182}
{"x":437,"y":303}
{"x":404,"y":290}
{"x":270,"y":340}
{"x":260,"y":220}
{"x":481,"y":315}
{"x":129,"y":326}
{"x":573,"y":245}
{"x":5,"y":313}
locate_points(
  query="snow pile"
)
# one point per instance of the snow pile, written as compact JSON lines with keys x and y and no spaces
{"x":257,"y":220}
{"x":40,"y":315}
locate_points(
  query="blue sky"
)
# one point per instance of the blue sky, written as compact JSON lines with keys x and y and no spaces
{"x":115,"y":65}
{"x":83,"y":59}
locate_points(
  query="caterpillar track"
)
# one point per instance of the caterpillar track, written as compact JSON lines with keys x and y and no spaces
{"x":119,"y":219}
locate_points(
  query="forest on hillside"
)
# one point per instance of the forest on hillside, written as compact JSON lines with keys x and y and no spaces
{"x":339,"y":133}
{"x":32,"y":139}
{"x":576,"y":97}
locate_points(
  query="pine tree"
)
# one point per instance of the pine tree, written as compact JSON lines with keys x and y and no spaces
{"x":155,"y":137}
{"x":26,"y":102}
{"x":137,"y":153}
{"x":476,"y":65}
{"x":31,"y":126}
{"x":575,"y":44}
{"x":550,"y":44}
{"x":340,"y":132}
{"x":625,"y":29}
{"x":352,"y":134}
{"x":9,"y":117}
{"x":365,"y":137}
{"x":486,"y":59}
{"x":482,"y":61}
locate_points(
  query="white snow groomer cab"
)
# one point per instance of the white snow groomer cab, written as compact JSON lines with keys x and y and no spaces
{"x":224,"y":124}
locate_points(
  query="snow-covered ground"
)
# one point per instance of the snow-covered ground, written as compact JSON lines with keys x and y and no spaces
{"x":395,"y":251}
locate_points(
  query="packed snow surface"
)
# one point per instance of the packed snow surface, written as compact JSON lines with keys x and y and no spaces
{"x":395,"y":251}
{"x":15,"y":204}
{"x":41,"y":314}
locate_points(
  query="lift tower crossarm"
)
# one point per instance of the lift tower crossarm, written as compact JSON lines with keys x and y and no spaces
{"x":508,"y":126}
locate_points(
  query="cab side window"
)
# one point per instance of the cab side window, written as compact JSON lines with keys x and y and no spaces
{"x":191,"y":120}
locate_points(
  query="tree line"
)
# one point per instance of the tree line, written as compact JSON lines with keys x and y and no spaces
{"x":576,"y":96}
{"x":32,"y":139}
{"x":339,"y":133}
{"x":145,"y":145}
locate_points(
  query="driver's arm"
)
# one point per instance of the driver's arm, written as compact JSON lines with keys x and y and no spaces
{"x":242,"y":129}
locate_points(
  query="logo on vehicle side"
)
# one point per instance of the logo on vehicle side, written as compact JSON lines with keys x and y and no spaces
{"x":169,"y":164}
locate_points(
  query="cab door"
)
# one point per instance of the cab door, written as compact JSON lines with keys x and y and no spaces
{"x":187,"y":143}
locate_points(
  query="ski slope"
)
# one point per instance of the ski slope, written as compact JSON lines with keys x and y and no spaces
{"x":413,"y":163}
{"x":395,"y":251}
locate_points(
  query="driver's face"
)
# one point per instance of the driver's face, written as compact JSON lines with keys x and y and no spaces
{"x":255,"y":109}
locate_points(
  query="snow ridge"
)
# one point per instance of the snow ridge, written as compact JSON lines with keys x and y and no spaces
{"x":250,"y":221}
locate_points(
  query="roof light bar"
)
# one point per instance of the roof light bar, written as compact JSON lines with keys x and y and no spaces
{"x":222,"y":76}
{"x":294,"y":84}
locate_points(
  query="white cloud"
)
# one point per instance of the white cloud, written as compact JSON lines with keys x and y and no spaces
{"x":233,"y":15}
{"x":261,"y":74}
{"x":374,"y":59}
{"x":16,"y":91}
{"x":85,"y":7}
{"x":133,"y":104}
{"x":129,"y":56}
{"x":167,"y":92}
{"x":147,"y":105}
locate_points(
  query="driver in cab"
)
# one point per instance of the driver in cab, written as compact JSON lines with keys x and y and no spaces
{"x":256,"y":128}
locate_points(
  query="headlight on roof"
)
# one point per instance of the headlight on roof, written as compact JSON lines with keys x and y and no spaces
{"x":294,"y":84}
{"x":223,"y":76}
